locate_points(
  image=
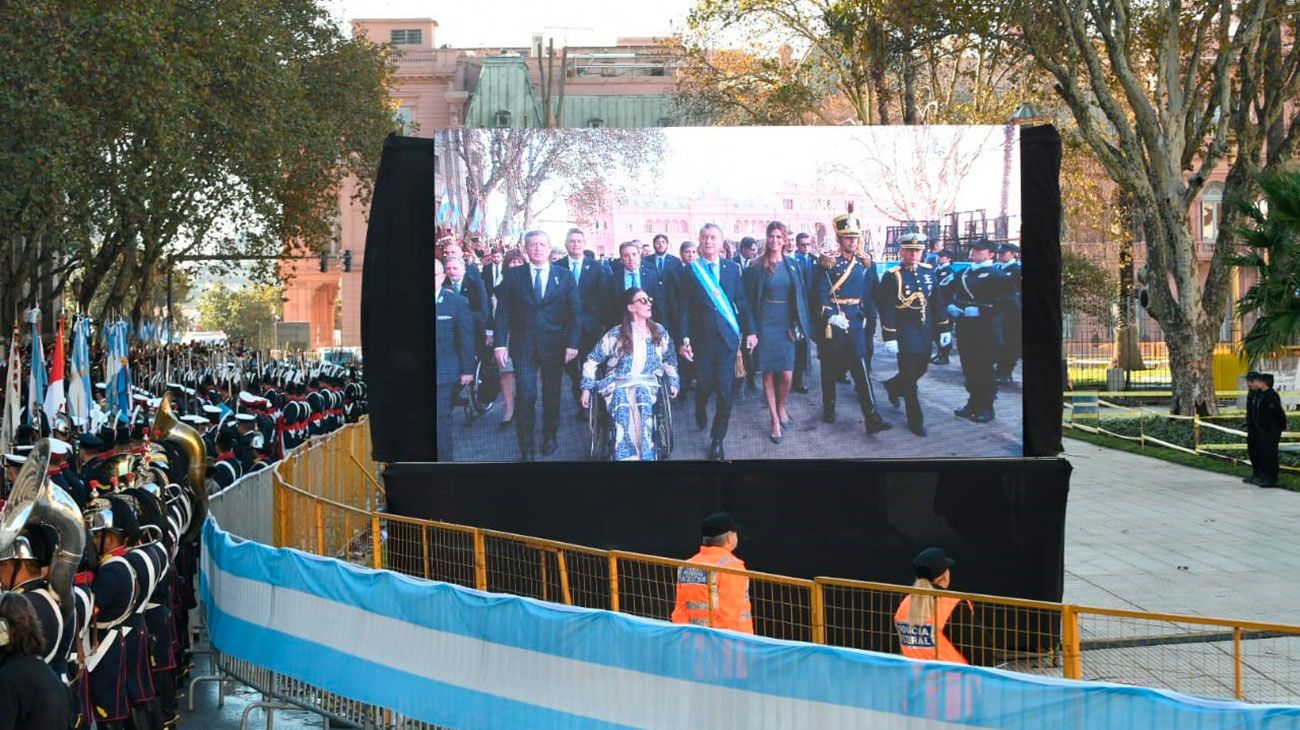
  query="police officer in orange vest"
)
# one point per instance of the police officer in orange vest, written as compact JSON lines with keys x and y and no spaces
{"x":712,"y":598}
{"x":939,"y":627}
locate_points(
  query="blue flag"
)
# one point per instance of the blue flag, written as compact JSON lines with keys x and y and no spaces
{"x":36,"y":382}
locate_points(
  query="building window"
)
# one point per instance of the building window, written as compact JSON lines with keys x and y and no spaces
{"x":1211,"y":211}
{"x":649,"y":226}
{"x":788,"y":204}
{"x":737,"y":227}
{"x":501,"y":119}
{"x":406,"y":37}
{"x":595,"y":123}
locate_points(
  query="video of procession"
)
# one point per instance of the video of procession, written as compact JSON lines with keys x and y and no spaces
{"x":728,"y":293}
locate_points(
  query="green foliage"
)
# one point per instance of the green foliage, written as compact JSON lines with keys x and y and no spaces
{"x":134,"y":130}
{"x":1086,"y":286}
{"x":247,"y":314}
{"x":1270,"y":240}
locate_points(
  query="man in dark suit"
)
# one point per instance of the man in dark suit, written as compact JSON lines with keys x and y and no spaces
{"x":1265,"y":422}
{"x":454,"y":357}
{"x":590,"y":277}
{"x":712,"y":337}
{"x":455,"y":251}
{"x":632,"y":273}
{"x":806,"y":261}
{"x":474,"y":292}
{"x":673,"y":284}
{"x":746,"y":252}
{"x":538,"y":309}
{"x":663,"y":262}
{"x":492,"y":271}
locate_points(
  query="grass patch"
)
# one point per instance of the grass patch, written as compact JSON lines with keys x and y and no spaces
{"x":1196,"y":461}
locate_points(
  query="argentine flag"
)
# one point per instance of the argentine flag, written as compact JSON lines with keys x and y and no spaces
{"x":79,"y":382}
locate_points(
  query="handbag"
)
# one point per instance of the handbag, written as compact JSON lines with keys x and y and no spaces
{"x":740,"y":365}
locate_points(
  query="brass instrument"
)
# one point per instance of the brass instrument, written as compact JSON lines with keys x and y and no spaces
{"x":166,"y":427}
{"x":35,"y":498}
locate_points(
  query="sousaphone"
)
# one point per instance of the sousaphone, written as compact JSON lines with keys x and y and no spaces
{"x":166,"y":427}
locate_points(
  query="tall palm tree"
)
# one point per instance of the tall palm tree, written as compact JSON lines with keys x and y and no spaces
{"x":1270,"y":242}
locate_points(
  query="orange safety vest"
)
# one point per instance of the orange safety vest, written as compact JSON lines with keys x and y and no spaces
{"x":727,"y":593}
{"x":928,"y":641}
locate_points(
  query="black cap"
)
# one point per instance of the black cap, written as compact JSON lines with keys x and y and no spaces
{"x":1253,"y":375}
{"x":930,"y":563}
{"x":718,"y":524}
{"x":1267,"y":378}
{"x":91,"y":441}
{"x":43,"y":540}
{"x":982,"y":244}
{"x":1013,"y":248}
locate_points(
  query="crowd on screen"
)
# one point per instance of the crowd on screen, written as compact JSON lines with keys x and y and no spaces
{"x":709,"y":317}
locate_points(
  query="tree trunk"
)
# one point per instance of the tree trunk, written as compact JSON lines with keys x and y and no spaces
{"x":1191,"y":360}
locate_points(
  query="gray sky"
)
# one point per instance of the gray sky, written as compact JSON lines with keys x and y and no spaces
{"x":512,"y":22}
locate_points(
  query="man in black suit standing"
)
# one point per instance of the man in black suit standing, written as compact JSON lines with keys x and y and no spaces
{"x":806,"y":261}
{"x":454,"y":357}
{"x":715,"y":321}
{"x":474,"y":292}
{"x":492,"y":271}
{"x":538,"y":309}
{"x":663,"y":262}
{"x":1265,"y":422}
{"x":633,"y":273}
{"x":590,"y":277}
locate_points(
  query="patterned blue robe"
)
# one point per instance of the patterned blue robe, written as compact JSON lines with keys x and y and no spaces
{"x":624,"y":389}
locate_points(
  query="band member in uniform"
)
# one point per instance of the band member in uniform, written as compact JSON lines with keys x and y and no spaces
{"x":846,"y":285}
{"x":715,"y":321}
{"x":942,"y":270}
{"x":911,"y":311}
{"x":975,"y":297}
{"x":1009,"y":261}
{"x":537,"y":326}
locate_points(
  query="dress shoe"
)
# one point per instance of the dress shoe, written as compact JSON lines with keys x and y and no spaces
{"x":876,"y":424}
{"x":1268,"y":485}
{"x":963,"y":412}
{"x":1005,"y":380}
{"x":981,"y":416}
{"x":701,"y":420}
{"x":715,"y":451}
{"x":916,"y":428}
{"x":775,"y":439}
{"x":800,"y":388}
{"x":889,"y":392}
{"x":548,"y":446}
{"x":939,"y":360}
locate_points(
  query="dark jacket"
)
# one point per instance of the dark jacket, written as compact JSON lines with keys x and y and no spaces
{"x":480,"y":307}
{"x":453,"y":338}
{"x":615,"y":287}
{"x":537,"y":331}
{"x":31,"y":696}
{"x":591,"y":298}
{"x":1264,"y":414}
{"x":700,"y":320}
{"x":670,"y":265}
{"x":755,"y":279}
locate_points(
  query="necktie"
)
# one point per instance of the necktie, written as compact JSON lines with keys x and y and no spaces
{"x":713,"y":271}
{"x":537,"y":284}
{"x":660,"y":261}
{"x":457,"y":285}
{"x":577,"y":271}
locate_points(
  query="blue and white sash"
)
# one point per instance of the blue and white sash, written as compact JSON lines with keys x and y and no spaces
{"x":716,"y":295}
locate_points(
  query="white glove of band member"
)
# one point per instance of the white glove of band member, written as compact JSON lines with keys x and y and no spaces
{"x":891,"y":347}
{"x":945,"y":339}
{"x":840,"y":321}
{"x":972,"y":312}
{"x":954,"y":311}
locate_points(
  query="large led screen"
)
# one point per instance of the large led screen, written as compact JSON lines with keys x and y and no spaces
{"x":728,"y":293}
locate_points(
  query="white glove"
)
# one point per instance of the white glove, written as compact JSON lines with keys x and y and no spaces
{"x":954,"y":311}
{"x":972,"y":312}
{"x":945,"y":339}
{"x":840,"y":321}
{"x":891,"y":347}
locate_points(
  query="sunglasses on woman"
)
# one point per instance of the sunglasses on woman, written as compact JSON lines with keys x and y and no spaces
{"x":643,"y":300}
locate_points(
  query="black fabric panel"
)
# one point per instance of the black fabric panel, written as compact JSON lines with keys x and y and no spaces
{"x":1040,"y":233}
{"x":1003,"y":520}
{"x":397,"y":304}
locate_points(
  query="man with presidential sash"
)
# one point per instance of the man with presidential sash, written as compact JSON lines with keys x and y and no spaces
{"x":845,"y":290}
{"x":714,"y":322}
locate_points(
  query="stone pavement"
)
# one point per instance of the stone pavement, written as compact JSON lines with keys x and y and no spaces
{"x":941,"y":390}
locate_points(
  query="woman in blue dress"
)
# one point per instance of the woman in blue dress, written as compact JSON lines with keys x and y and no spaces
{"x":635,"y":355}
{"x":774,"y":286}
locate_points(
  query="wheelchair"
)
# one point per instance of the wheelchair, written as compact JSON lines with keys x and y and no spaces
{"x":478,"y":397}
{"x":601,"y":425}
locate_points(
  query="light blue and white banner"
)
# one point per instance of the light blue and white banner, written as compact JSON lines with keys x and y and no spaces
{"x":466,"y":659}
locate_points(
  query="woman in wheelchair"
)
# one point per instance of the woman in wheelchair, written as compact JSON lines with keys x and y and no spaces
{"x":630,"y":359}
